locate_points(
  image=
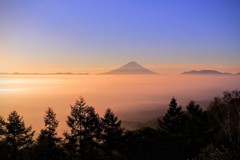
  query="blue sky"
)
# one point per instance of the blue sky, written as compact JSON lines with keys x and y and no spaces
{"x":76,"y":35}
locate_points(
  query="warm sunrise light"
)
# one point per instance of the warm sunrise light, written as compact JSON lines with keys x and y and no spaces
{"x":121,"y":80}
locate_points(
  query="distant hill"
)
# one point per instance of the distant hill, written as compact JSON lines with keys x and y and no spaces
{"x":133,"y":125}
{"x":206,"y":72}
{"x":19,"y":73}
{"x":58,"y":73}
{"x":130,"y":68}
{"x":67,"y":73}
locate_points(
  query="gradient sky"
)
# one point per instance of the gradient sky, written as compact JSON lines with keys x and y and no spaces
{"x":97,"y":35}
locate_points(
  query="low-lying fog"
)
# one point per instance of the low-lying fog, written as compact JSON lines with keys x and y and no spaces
{"x":132,"y":98}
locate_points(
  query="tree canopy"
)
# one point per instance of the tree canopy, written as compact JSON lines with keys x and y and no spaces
{"x":197,"y":132}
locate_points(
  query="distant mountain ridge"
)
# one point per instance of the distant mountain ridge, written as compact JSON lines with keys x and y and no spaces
{"x":57,"y":73}
{"x":130,"y":68}
{"x":206,"y":72}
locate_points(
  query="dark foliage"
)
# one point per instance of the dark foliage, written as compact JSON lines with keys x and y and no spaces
{"x":225,"y":117}
{"x":192,"y":134}
{"x":173,"y":119}
{"x":196,"y":135}
{"x":111,"y":136}
{"x":48,"y":145}
{"x":172,"y":125}
{"x":82,"y":141}
{"x":142,"y":144}
{"x":16,"y":139}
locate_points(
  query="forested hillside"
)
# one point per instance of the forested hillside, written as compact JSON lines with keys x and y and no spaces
{"x":194,"y":133}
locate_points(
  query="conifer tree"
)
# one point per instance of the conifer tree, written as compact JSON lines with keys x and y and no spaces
{"x":2,"y":128}
{"x":111,"y":133}
{"x":172,"y":119}
{"x":83,"y":138}
{"x":195,"y":129}
{"x":4,"y":150}
{"x":18,"y":137}
{"x":171,"y":126}
{"x":91,"y":127}
{"x":48,"y":144}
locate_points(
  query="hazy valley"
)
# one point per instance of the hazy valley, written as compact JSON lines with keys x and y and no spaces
{"x":134,"y":98}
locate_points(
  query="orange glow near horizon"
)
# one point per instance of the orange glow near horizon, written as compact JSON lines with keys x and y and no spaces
{"x":165,"y":68}
{"x":31,"y":95}
{"x":13,"y":63}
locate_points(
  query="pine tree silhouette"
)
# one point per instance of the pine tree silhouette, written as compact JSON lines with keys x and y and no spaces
{"x":111,"y":134}
{"x":48,"y":144}
{"x":18,"y":137}
{"x":172,"y":119}
{"x":82,"y":141}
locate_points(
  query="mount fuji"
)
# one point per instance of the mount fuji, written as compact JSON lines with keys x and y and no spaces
{"x":130,"y":68}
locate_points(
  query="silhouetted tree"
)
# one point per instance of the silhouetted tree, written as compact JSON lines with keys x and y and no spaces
{"x":4,"y":149}
{"x":18,"y":137}
{"x":195,"y":132}
{"x":191,"y":134}
{"x":142,"y":144}
{"x":85,"y":131}
{"x":91,"y":134}
{"x":172,"y":126}
{"x":213,"y":153}
{"x":173,"y":119}
{"x":48,"y":144}
{"x":75,"y":122}
{"x":225,"y":112}
{"x":111,"y":134}
{"x":2,"y":128}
